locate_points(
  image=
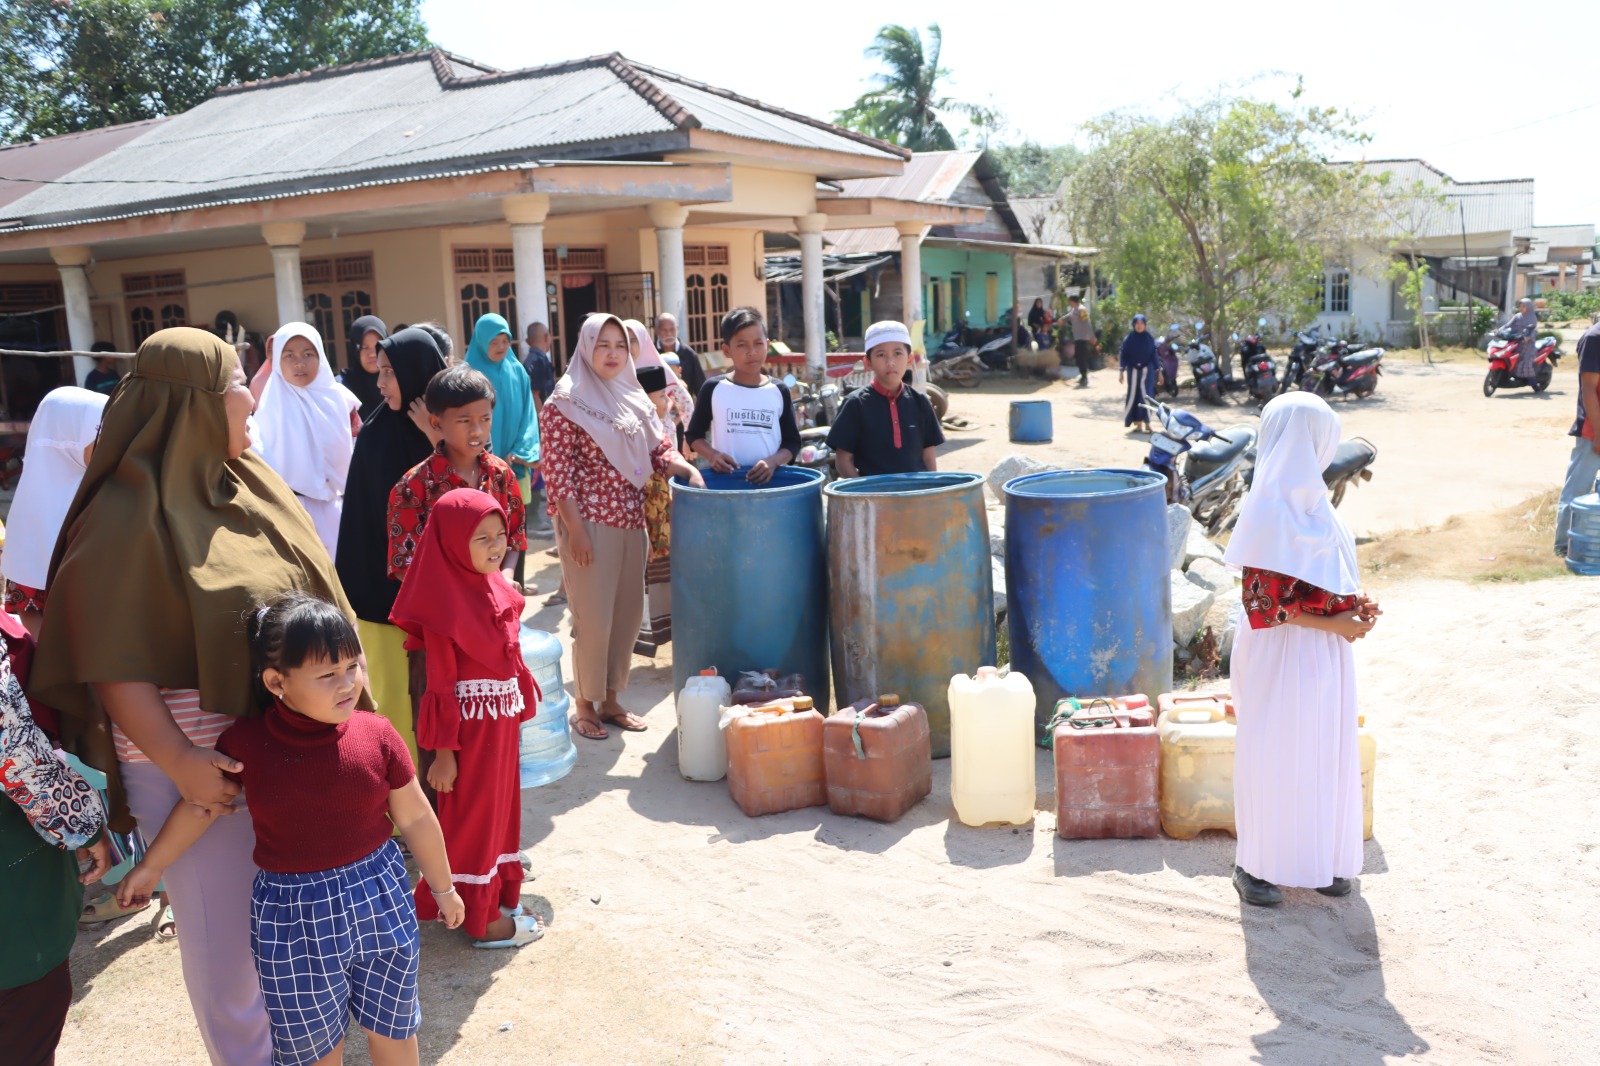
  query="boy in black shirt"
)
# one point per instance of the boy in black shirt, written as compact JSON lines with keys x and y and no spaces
{"x":886,"y":427}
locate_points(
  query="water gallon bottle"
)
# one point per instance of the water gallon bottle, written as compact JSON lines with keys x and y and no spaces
{"x":702,"y":749}
{"x":991,"y":747}
{"x":1369,"y":770}
{"x":1583,"y":537}
{"x":545,"y":752}
{"x":1197,"y":741}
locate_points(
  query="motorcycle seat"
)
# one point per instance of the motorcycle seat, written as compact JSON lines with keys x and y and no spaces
{"x":1219,"y":450}
{"x":1352,"y":457}
{"x":1359,"y":358}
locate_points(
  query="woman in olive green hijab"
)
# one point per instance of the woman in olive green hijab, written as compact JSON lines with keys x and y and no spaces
{"x":177,"y":532}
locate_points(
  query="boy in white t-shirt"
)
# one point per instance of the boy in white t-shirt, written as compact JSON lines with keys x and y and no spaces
{"x":744,"y":420}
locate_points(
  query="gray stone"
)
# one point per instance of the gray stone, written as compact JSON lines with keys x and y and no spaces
{"x":1210,"y":574}
{"x":1190,"y":603}
{"x":997,"y":542}
{"x":1198,"y":547}
{"x":1178,"y":522}
{"x":1014,"y":466}
{"x":1223,"y":619}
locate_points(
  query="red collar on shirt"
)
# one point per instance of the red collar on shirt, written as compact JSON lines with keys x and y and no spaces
{"x":894,"y":406}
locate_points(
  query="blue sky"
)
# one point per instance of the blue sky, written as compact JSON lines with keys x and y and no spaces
{"x":1478,"y":93}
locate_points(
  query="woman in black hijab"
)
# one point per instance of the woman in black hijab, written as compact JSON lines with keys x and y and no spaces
{"x":390,"y":443}
{"x":361,"y":376}
{"x":1137,"y":365}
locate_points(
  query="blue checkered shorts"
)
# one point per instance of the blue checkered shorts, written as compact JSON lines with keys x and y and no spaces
{"x":331,"y":943}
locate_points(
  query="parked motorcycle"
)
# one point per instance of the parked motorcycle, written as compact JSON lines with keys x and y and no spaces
{"x":815,"y":453}
{"x":1208,"y":380}
{"x":1258,"y":367}
{"x":1216,"y":466}
{"x":1354,"y":372}
{"x":1352,"y":464}
{"x":1167,"y":348}
{"x":965,"y":370}
{"x":1504,"y":347}
{"x":813,"y":406}
{"x":1299,"y":359}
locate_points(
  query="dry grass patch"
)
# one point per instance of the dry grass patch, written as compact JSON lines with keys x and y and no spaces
{"x":1440,"y":355}
{"x":1509,"y":545}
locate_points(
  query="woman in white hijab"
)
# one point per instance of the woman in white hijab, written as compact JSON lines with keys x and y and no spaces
{"x":60,"y":440}
{"x":1297,"y":767}
{"x":304,"y":426}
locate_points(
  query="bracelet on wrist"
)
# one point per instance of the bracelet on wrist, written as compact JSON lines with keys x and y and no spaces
{"x":446,"y":892}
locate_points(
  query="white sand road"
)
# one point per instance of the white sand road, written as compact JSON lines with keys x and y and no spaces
{"x":682,"y":931}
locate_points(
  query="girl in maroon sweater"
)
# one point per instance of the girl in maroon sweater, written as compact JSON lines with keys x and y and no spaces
{"x":457,"y":607}
{"x":332,"y":927}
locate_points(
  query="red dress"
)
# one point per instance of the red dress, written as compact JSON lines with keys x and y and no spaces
{"x":472,"y":710}
{"x":1271,"y":598}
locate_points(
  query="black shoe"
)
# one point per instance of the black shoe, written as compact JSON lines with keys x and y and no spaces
{"x":642,"y":648}
{"x":1258,"y":892}
{"x":1340,"y":887}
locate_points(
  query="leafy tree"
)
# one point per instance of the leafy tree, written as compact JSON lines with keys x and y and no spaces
{"x":1223,"y":212}
{"x":1034,"y":169}
{"x":78,"y":65}
{"x":1407,"y":211}
{"x":905,"y":105}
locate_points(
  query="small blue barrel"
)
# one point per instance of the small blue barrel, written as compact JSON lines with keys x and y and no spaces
{"x":545,"y":750}
{"x":1088,"y":599}
{"x":1583,"y":535}
{"x":750,"y":578}
{"x":1031,"y":422}
{"x":910,"y":589}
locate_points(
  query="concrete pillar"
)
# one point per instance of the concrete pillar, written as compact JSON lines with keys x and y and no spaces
{"x":911,"y":290}
{"x":811,"y":294}
{"x":668,"y":219}
{"x":284,"y":238}
{"x":527,"y":214}
{"x":72,"y":261}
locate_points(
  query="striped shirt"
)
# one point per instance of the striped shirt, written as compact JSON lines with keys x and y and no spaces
{"x":201,"y":727}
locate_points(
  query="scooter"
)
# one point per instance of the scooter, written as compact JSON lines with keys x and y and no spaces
{"x":1216,"y":465}
{"x":815,"y":453}
{"x":1259,"y":370}
{"x":813,"y":406}
{"x":1306,"y":343}
{"x":1208,"y":381}
{"x":1504,"y":347}
{"x":1352,"y":464}
{"x":1167,"y":352}
{"x":1355,"y":372}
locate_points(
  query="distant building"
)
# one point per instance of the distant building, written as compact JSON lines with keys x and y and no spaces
{"x":1559,"y":259}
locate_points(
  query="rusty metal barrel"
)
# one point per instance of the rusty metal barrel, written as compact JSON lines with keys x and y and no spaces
{"x":910,"y":589}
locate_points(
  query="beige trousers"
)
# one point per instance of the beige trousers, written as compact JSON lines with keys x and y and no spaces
{"x":606,"y":599}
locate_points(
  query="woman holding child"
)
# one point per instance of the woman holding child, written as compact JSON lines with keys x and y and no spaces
{"x":176,"y":533}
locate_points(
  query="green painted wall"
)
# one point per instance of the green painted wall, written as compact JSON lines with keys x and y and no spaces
{"x":940,"y":264}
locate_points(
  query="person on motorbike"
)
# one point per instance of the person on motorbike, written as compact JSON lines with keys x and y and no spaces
{"x":1526,"y":323}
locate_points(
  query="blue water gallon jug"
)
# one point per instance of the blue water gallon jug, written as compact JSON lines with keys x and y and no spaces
{"x":1583,"y":536}
{"x":546,"y":752}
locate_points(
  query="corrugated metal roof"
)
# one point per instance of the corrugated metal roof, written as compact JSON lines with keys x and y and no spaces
{"x":385,"y":119}
{"x":1565,"y":236}
{"x":1475,"y":206}
{"x":928,"y":176}
{"x":52,"y":157}
{"x":862,"y":241}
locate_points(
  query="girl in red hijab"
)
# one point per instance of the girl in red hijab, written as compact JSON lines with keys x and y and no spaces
{"x":457,"y":606}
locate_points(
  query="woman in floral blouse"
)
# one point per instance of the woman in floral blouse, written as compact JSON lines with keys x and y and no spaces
{"x":1297,"y":767}
{"x":602,"y":441}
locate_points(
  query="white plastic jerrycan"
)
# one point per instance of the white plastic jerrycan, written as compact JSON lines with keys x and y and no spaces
{"x":991,"y":747}
{"x":702,"y":749}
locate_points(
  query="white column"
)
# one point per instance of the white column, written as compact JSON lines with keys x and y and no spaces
{"x":526,"y":215}
{"x":668,"y":219}
{"x":71,"y":261}
{"x":284,"y":238}
{"x":811,"y":294}
{"x":911,"y":290}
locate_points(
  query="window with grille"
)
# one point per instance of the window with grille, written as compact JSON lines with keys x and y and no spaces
{"x":707,"y":294}
{"x":1336,"y":291}
{"x":338,"y":290}
{"x":155,"y":301}
{"x":486,"y":279}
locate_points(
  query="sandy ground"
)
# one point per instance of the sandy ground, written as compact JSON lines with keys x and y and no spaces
{"x":682,"y":931}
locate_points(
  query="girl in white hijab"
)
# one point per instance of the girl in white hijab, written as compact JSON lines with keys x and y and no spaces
{"x":60,"y":441}
{"x":305,"y":426}
{"x":1297,"y":767}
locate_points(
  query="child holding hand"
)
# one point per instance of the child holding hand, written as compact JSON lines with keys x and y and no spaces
{"x":459,"y":608}
{"x":1297,"y":764}
{"x":332,"y":926}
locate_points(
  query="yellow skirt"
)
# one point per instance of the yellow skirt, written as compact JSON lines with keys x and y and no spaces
{"x":390,"y":677}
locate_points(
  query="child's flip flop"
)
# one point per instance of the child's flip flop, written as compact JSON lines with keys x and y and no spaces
{"x":105,"y":908}
{"x":528,"y":929}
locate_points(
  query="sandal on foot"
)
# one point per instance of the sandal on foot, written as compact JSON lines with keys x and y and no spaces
{"x":556,"y":599}
{"x":512,"y":912}
{"x":589,"y":728}
{"x":166,"y":926}
{"x":528,"y":929}
{"x":105,"y":908}
{"x":621,"y":722}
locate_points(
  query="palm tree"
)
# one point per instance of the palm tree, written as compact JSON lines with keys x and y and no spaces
{"x":905,"y":103}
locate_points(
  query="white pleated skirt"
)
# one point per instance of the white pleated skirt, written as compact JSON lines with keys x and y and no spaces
{"x":325,"y":516}
{"x":1297,"y":764}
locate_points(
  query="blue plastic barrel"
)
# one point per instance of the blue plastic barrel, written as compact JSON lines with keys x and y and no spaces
{"x":1088,"y":599}
{"x":749,"y":578}
{"x":1583,"y":536}
{"x":1031,"y":422}
{"x":545,"y":750}
{"x":910,"y":589}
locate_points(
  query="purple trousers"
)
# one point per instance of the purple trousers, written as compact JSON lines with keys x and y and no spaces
{"x":209,"y":887}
